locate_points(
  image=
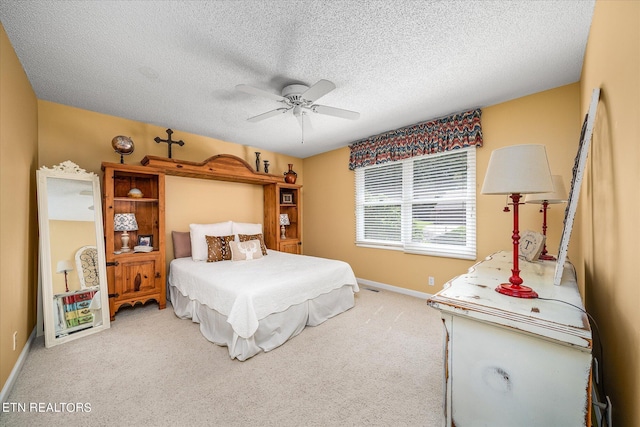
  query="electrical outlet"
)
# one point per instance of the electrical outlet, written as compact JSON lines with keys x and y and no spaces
{"x":15,"y":339}
{"x":432,"y":281}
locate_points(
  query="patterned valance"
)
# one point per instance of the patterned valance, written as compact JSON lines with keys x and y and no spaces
{"x":434,"y":136}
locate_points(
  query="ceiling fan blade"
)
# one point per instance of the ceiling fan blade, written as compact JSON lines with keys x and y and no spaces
{"x":259,"y":92}
{"x":268,"y":114}
{"x":318,"y":90}
{"x":336,"y":112}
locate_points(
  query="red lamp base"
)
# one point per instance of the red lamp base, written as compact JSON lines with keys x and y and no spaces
{"x":517,"y":291}
{"x":546,"y":257}
{"x":514,"y":288}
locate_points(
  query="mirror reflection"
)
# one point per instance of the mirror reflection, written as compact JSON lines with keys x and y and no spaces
{"x":72,"y":253}
{"x":73,"y":239}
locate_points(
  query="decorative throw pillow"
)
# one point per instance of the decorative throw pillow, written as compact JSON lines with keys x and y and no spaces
{"x":248,"y":250}
{"x":248,"y":237}
{"x":531,"y":244}
{"x":218,"y":248}
{"x":181,"y":244}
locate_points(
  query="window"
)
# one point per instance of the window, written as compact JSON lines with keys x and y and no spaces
{"x":422,"y":205}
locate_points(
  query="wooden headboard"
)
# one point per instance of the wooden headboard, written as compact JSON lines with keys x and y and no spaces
{"x":222,"y":167}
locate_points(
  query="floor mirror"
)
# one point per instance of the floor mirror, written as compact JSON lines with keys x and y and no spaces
{"x":72,"y":259}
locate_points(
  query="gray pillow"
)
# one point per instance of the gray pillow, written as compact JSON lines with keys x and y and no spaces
{"x":181,"y":244}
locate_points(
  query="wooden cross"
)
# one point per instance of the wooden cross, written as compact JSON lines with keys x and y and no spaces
{"x":169,"y":141}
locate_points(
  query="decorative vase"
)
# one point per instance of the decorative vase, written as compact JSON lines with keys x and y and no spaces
{"x":290,"y":176}
{"x":266,"y":166}
{"x":257,"y":161}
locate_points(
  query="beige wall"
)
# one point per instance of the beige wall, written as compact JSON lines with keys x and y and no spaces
{"x":610,"y":199}
{"x":551,"y":118}
{"x":18,"y":224}
{"x":207,"y":202}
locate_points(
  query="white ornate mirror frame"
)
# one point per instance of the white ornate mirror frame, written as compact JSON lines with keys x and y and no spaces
{"x":70,"y":218}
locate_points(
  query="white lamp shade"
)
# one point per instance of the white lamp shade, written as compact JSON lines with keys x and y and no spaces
{"x":518,"y":169}
{"x":64,"y":266}
{"x":125,"y":222}
{"x":558,"y":195}
{"x":284,"y":219}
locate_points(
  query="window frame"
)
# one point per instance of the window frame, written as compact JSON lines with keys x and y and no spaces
{"x":406,"y":202}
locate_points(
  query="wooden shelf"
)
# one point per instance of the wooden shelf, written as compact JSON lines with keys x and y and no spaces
{"x":132,"y":199}
{"x":273,"y":208}
{"x":226,"y":167}
{"x":222,"y":167}
{"x":134,"y":277}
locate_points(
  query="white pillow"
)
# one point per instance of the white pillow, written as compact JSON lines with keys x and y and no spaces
{"x":245,"y":228}
{"x":199,"y":249}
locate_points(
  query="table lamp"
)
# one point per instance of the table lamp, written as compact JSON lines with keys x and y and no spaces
{"x":517,"y":170}
{"x":64,"y":267}
{"x":284,"y":220}
{"x":125,"y":222}
{"x":558,"y":195}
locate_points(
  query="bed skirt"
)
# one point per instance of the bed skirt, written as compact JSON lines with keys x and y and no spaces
{"x":273,"y":331}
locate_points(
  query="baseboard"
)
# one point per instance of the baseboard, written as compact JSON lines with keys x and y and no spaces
{"x":8,"y":385}
{"x":372,"y":284}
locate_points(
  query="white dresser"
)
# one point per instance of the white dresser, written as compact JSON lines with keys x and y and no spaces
{"x":512,"y":361}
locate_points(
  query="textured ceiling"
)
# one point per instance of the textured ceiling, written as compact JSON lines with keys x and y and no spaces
{"x":176,"y":64}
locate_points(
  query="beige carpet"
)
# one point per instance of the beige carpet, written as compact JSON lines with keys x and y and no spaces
{"x":378,"y":364}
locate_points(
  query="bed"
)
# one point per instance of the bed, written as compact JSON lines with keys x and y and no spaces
{"x":256,"y":305}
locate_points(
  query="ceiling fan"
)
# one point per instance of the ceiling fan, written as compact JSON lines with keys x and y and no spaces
{"x":299,"y":99}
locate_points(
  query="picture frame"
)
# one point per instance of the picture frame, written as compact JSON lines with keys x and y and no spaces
{"x":576,"y":180}
{"x":145,"y":240}
{"x":286,"y":198}
{"x":531,"y":244}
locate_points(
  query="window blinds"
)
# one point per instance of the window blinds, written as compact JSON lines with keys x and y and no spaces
{"x":423,"y":205}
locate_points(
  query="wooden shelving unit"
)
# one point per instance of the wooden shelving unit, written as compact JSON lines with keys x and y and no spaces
{"x":281,"y":198}
{"x":134,"y":278}
{"x":226,"y":167}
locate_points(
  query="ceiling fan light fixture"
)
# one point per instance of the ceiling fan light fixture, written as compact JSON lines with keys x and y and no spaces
{"x":299,"y":98}
{"x":294,"y":93}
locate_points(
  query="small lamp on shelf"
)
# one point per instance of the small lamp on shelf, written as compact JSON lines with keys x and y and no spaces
{"x":517,"y":170}
{"x":125,"y":222}
{"x":558,"y":195}
{"x":284,"y":220}
{"x":64,"y":267}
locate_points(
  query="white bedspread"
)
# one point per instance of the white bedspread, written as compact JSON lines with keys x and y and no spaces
{"x":248,"y":291}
